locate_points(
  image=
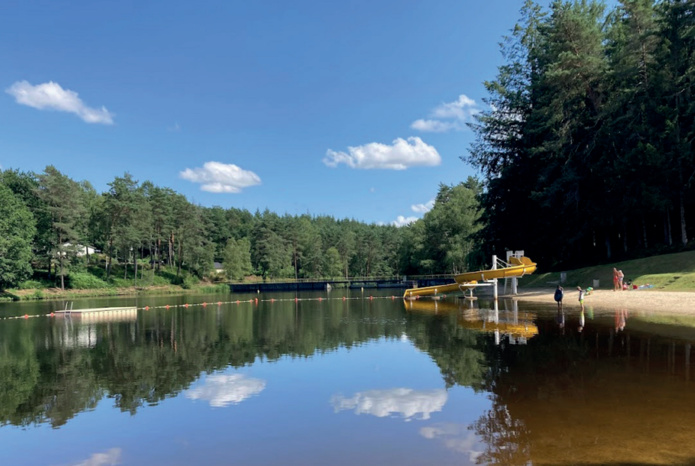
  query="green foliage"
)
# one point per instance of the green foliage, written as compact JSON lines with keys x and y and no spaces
{"x":17,"y":228}
{"x":32,"y":284}
{"x":237,"y":258}
{"x":84,"y":281}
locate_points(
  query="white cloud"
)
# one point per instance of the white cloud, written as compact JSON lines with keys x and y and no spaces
{"x":50,"y":96}
{"x":448,"y":116}
{"x":221,"y":390}
{"x":402,"y":221}
{"x":433,"y":126}
{"x":404,"y":401}
{"x":456,"y":437}
{"x":108,"y":458}
{"x":400,"y":155}
{"x":423,"y":208}
{"x":219,"y":177}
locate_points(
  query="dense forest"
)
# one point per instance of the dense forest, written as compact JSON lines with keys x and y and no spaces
{"x":48,"y":219}
{"x":586,"y":147}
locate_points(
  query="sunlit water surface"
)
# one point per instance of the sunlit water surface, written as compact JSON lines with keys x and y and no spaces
{"x":355,"y":381}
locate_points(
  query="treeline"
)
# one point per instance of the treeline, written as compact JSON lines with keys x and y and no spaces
{"x":48,"y":220}
{"x":587,"y":147}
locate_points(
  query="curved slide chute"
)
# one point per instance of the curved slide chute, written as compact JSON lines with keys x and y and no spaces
{"x":517,"y":267}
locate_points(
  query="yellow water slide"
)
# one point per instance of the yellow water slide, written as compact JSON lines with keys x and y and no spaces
{"x":517,"y":267}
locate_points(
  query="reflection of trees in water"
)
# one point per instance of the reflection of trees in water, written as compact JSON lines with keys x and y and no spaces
{"x":589,"y":397}
{"x":52,"y":370}
{"x":506,"y":439}
{"x":457,"y":351}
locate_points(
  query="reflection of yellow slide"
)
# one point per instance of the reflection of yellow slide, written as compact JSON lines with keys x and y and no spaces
{"x":517,"y":267}
{"x":522,"y":328}
{"x":480,"y":320}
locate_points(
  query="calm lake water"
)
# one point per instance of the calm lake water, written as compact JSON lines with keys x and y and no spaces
{"x":356,"y":381}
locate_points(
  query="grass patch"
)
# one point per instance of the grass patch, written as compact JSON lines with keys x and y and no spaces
{"x":672,"y":272}
{"x":85,"y":281}
{"x":219,"y":288}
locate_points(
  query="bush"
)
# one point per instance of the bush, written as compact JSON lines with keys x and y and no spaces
{"x":84,"y":280}
{"x":30,"y":284}
{"x":188,"y":282}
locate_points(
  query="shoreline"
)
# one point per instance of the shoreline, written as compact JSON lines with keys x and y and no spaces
{"x":663,"y":302}
{"x":51,"y":294}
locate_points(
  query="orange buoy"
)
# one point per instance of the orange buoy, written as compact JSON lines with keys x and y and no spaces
{"x":147,"y":308}
{"x":205,"y":304}
{"x":185,"y":305}
{"x":167,"y":306}
{"x":51,"y":314}
{"x":26,"y":316}
{"x":320,"y":298}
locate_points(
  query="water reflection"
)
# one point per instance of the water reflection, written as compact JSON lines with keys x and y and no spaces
{"x":404,"y":401}
{"x":603,"y":387}
{"x":107,"y":458}
{"x":456,"y":437}
{"x":221,"y":390}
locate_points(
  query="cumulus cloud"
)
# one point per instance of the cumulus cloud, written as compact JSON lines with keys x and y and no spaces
{"x":222,"y":390}
{"x":217,"y":177}
{"x":404,"y":401}
{"x":400,"y":155}
{"x":423,"y":208}
{"x":402,"y":221}
{"x":108,"y":458}
{"x":51,"y":96}
{"x":456,"y":437}
{"x":448,"y":116}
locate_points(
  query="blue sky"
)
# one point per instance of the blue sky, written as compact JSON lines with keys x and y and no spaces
{"x":354,"y":109}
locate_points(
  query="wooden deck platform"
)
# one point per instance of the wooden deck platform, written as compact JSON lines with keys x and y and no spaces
{"x":100,"y":314}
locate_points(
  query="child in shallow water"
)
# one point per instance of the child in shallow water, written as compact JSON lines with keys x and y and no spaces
{"x":559,"y":294}
{"x":582,"y":293}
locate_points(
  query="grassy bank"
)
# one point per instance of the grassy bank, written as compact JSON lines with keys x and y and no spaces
{"x":91,"y":281}
{"x":669,"y":272}
{"x":32,"y":294}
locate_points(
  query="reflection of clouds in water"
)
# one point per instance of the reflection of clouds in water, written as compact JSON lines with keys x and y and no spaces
{"x":221,"y":390}
{"x":381,"y":403}
{"x":455,"y":437}
{"x":108,"y":458}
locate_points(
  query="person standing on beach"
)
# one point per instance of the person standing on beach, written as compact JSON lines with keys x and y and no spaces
{"x":621,"y":277}
{"x":615,"y":279}
{"x":582,"y":293}
{"x":559,"y":294}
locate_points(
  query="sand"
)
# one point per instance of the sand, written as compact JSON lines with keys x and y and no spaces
{"x":667,"y":302}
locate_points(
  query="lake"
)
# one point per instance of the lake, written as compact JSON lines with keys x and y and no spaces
{"x":341,"y":378}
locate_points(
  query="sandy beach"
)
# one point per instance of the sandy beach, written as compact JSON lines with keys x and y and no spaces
{"x":667,"y":302}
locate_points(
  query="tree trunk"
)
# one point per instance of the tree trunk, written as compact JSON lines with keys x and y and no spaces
{"x":180,"y":260}
{"x":171,"y":249}
{"x":62,"y":275}
{"x":667,"y":229}
{"x":684,"y":233}
{"x":108,"y":263}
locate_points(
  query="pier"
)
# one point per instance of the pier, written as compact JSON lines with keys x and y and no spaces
{"x":352,"y":283}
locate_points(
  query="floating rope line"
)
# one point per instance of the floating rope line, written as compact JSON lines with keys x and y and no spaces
{"x":205,"y":304}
